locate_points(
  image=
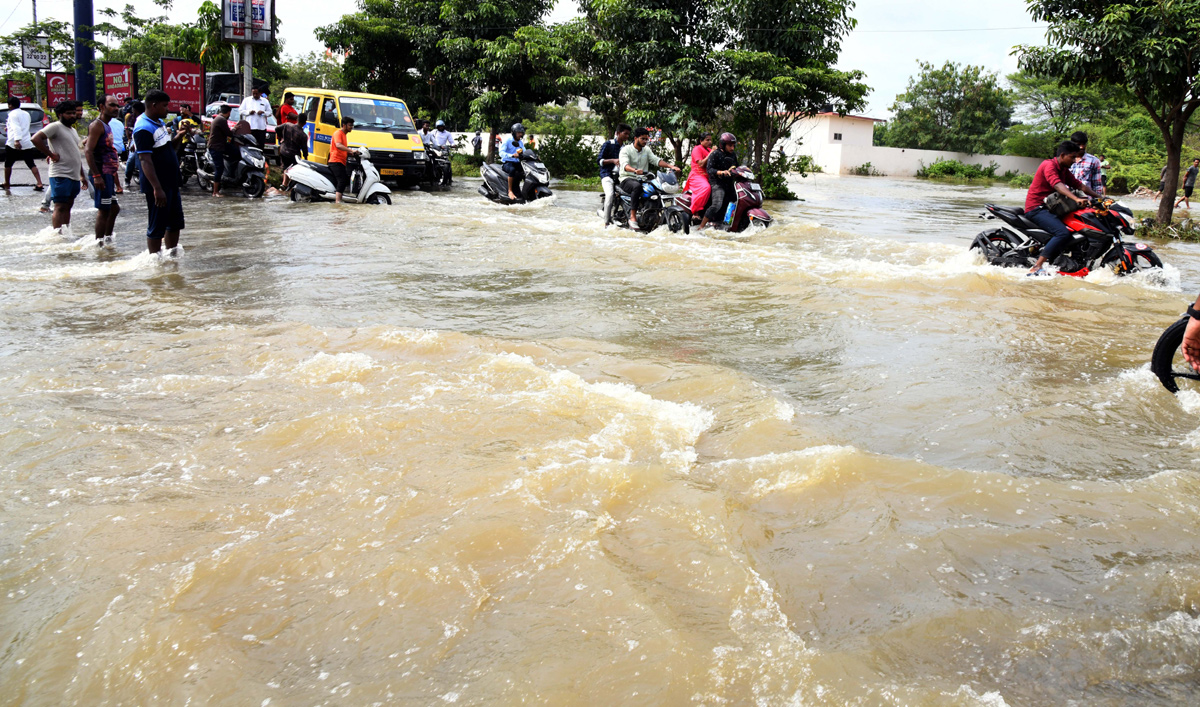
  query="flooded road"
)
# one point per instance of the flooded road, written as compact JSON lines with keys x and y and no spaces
{"x":450,"y":452}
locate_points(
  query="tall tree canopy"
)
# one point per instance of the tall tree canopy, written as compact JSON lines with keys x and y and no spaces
{"x":953,"y":108}
{"x":1049,"y":105}
{"x":1151,"y":47}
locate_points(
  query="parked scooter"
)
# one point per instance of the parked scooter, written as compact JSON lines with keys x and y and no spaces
{"x":658,"y":205}
{"x":311,"y":181}
{"x":247,"y":173}
{"x":746,"y":208}
{"x":189,"y":165}
{"x":535,"y":185}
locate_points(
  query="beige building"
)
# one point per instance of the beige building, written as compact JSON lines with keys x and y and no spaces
{"x":841,"y":143}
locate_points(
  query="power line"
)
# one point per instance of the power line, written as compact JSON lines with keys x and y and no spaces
{"x":977,"y":29}
{"x":14,"y":11}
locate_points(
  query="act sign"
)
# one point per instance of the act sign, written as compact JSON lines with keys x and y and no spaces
{"x":184,"y":83}
{"x":35,"y":53}
{"x":120,"y":80}
{"x":60,"y":86}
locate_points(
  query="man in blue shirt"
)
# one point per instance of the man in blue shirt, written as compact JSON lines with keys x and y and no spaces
{"x":610,"y":156}
{"x":160,"y":178}
{"x":510,"y":158}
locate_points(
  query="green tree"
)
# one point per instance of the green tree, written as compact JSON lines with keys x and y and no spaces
{"x":313,"y":70}
{"x":779,"y":63}
{"x":1150,"y":47}
{"x":1050,"y":105}
{"x":953,"y":108}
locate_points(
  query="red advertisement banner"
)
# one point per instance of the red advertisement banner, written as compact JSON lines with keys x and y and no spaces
{"x":184,"y":83}
{"x":118,"y":80}
{"x":60,"y":86}
{"x":21,"y":90}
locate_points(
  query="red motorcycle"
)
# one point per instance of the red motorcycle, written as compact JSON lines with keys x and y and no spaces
{"x":747,"y":205}
{"x":1096,"y":244}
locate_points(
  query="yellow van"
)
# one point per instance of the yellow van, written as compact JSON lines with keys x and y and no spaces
{"x":381,"y":124}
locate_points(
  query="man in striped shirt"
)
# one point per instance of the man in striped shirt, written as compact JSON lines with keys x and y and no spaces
{"x":1087,"y":169}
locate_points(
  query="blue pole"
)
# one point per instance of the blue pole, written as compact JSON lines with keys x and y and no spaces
{"x":85,"y":80}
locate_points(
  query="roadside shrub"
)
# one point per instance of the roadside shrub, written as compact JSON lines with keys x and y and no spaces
{"x":1021,"y":181}
{"x":567,"y":154}
{"x":953,"y":169}
{"x":1118,"y":185}
{"x":466,"y":165}
{"x":866,"y":170}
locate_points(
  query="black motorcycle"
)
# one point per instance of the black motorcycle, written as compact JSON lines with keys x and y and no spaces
{"x":438,"y":173}
{"x":1167,"y":363}
{"x":657,"y":207}
{"x":1097,"y":240}
{"x":189,"y":163}
{"x":245,"y":172}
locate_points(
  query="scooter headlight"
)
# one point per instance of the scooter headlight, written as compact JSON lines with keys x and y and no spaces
{"x":254,"y":157}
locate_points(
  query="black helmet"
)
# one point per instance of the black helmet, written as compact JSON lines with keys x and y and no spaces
{"x":518,"y":128}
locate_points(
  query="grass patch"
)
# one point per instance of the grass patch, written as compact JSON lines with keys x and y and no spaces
{"x":955,"y":171}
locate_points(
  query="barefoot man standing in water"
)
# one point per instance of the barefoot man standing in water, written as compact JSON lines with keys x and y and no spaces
{"x":160,"y":172}
{"x":101,"y":154}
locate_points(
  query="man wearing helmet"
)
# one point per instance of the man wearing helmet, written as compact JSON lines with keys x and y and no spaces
{"x":721,"y":164}
{"x":510,"y":158}
{"x":635,"y":161}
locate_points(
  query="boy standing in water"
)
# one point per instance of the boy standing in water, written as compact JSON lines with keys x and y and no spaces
{"x":159,"y":173}
{"x":103,"y":163}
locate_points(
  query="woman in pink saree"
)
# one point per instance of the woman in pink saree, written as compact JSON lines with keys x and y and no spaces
{"x":697,"y":181}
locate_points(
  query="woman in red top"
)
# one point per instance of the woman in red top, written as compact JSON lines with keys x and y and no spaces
{"x":697,"y":181}
{"x":1054,"y":175}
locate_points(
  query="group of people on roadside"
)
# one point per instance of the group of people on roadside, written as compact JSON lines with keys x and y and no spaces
{"x":93,"y":163}
{"x":710,"y":178}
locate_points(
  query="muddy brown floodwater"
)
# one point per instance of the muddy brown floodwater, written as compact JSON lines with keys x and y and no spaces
{"x":449,"y":452}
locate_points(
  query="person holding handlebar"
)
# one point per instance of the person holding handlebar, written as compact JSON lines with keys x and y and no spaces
{"x":1054,"y":175}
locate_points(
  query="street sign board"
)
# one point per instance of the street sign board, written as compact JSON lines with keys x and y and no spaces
{"x":20,"y":90}
{"x":261,"y":28}
{"x":60,"y":86}
{"x":120,"y":80}
{"x":35,"y":53}
{"x":184,"y":83}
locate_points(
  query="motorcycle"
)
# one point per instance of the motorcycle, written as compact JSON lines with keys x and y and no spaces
{"x":311,"y":181}
{"x":1167,"y":363}
{"x":747,"y":208}
{"x":658,"y":205}
{"x":1097,"y":241}
{"x":189,"y":164}
{"x":535,"y":185}
{"x":247,"y":172}
{"x":438,"y":173}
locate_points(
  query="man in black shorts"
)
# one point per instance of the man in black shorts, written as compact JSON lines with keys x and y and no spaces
{"x":19,"y":145}
{"x":1189,"y":184}
{"x":160,"y":178}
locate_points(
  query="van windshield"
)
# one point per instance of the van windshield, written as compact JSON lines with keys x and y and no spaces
{"x":376,"y":114}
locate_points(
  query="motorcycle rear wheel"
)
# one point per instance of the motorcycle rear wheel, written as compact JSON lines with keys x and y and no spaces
{"x":998,"y":247}
{"x":205,"y":184}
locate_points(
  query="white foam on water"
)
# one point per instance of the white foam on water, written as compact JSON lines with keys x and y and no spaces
{"x":142,"y":261}
{"x":987,"y":699}
{"x":336,"y":368}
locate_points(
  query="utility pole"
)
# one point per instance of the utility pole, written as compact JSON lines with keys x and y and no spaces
{"x":37,"y":81}
{"x":85,"y":55}
{"x":248,"y":51}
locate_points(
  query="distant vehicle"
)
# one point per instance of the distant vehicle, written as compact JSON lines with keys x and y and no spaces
{"x":36,"y":115}
{"x":315,"y":182}
{"x":381,"y":123}
{"x":535,"y":185}
{"x":211,"y":110}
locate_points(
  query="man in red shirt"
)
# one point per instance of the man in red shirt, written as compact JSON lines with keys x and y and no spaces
{"x":287,"y":109}
{"x":339,"y":150}
{"x":1054,"y":175}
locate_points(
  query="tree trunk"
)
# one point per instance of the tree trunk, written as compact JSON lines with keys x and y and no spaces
{"x":1166,"y":202}
{"x":761,"y":136}
{"x":491,"y":152}
{"x":677,"y":146}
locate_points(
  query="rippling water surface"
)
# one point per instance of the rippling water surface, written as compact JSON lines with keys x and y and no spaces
{"x":453,"y":452}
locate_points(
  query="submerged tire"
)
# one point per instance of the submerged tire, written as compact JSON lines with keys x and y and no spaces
{"x":1162,"y":361}
{"x":1144,"y":259}
{"x":997,"y":246}
{"x":254,"y":188}
{"x":379,"y":200}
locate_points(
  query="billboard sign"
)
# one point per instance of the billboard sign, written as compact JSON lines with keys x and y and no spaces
{"x":60,"y":86}
{"x":35,"y":53}
{"x":262,"y":22}
{"x":20,"y":90}
{"x":120,"y":80}
{"x":184,"y":83}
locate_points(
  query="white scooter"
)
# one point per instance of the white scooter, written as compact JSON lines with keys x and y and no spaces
{"x":310,"y":181}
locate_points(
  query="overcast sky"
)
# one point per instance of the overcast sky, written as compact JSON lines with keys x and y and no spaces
{"x":886,"y":45}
